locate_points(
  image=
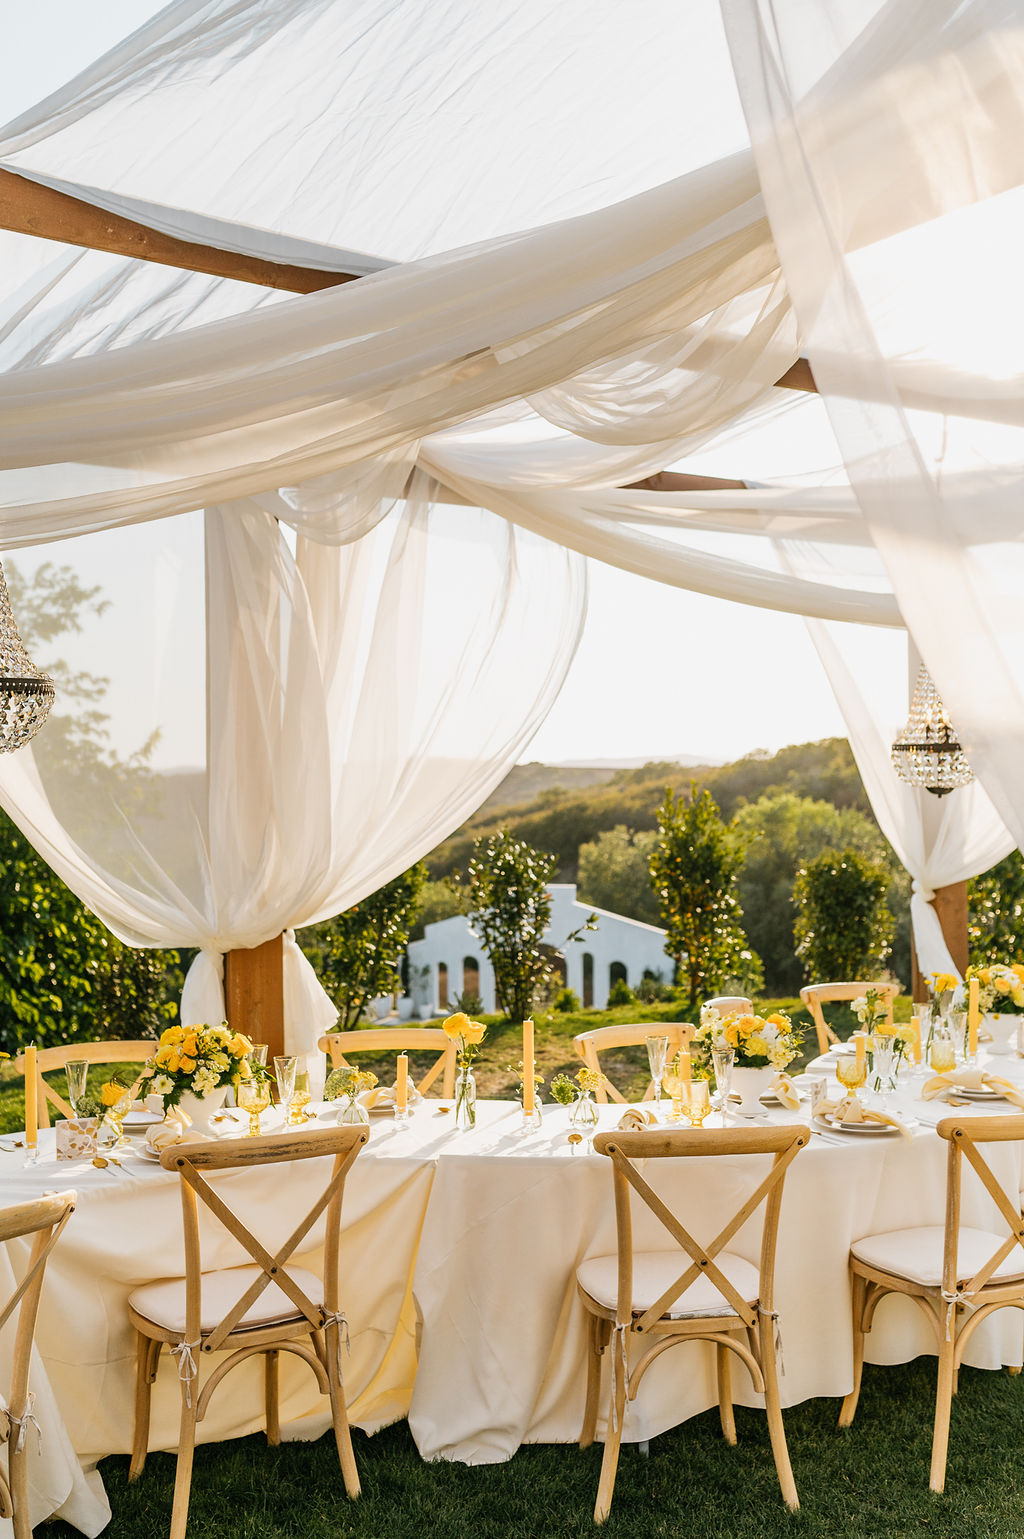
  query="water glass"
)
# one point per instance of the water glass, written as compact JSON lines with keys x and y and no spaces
{"x":696,"y":1101}
{"x":657,"y":1052}
{"x":301,"y":1097}
{"x":76,"y":1071}
{"x":284,"y":1072}
{"x":723,"y":1056}
{"x":958,"y":1025}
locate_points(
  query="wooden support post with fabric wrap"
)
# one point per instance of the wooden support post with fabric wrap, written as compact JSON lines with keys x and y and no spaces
{"x":950,"y":905}
{"x":254,"y":993}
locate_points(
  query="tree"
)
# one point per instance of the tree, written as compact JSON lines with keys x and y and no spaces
{"x":844,"y":928}
{"x":510,"y":908}
{"x":437,"y":900}
{"x":995,"y":924}
{"x":615,"y":873}
{"x":357,"y":955}
{"x":780,"y":833}
{"x":693,"y":868}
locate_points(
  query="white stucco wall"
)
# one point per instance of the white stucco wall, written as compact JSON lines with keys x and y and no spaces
{"x":638,"y":947}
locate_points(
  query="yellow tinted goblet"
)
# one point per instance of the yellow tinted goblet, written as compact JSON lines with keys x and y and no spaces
{"x":942,"y":1054}
{"x":851,"y":1072}
{"x":696,"y":1100}
{"x":254,"y":1097}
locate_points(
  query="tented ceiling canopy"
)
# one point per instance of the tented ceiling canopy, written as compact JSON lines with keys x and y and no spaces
{"x":588,"y":241}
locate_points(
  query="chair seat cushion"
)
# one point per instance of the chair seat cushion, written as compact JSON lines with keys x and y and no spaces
{"x":654,"y":1271}
{"x":164,"y":1302}
{"x":916,"y":1254}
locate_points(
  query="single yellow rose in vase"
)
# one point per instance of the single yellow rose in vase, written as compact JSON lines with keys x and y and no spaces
{"x":474,"y":1032}
{"x":456,"y":1025}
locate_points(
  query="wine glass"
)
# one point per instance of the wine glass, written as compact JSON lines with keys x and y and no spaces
{"x":300,"y":1099}
{"x":75,"y":1071}
{"x":254,"y":1097}
{"x":657,"y":1052}
{"x":258,"y":1054}
{"x":696,"y":1100}
{"x":284,"y":1073}
{"x":958,"y":1022}
{"x":723,"y":1057}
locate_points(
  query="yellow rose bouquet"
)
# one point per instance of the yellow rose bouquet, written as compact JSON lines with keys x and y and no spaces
{"x":467,"y":1035}
{"x":1000,"y":988}
{"x":197,"y":1060}
{"x":760,"y":1041}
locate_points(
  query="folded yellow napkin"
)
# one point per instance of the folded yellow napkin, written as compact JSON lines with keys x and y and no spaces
{"x":786,"y":1091}
{"x":172,"y":1130}
{"x":849,"y":1111}
{"x":384,"y":1095}
{"x":634,"y":1119}
{"x":971,"y":1079}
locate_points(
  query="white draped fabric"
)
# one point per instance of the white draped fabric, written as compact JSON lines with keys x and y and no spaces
{"x":346,"y":651}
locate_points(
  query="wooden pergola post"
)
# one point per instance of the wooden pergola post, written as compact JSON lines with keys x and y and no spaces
{"x":254,"y":993}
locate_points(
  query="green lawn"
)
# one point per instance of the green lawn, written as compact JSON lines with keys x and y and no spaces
{"x":868,"y":1483}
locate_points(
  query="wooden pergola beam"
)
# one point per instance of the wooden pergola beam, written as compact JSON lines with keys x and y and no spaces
{"x":30,"y":208}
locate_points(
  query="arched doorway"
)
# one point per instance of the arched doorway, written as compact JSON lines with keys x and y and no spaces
{"x":588,"y":980}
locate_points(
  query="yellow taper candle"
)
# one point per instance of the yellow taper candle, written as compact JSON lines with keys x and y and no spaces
{"x":402,"y":1083}
{"x":684,"y":1066}
{"x":860,"y":1041}
{"x":915,"y":1046}
{"x":31,"y":1098}
{"x":528,"y":1070}
{"x":973,"y":1017}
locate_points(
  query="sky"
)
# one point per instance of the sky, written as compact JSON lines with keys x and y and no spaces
{"x":660,"y":672}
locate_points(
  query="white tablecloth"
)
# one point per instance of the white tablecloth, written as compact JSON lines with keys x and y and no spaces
{"x":465,"y":1246}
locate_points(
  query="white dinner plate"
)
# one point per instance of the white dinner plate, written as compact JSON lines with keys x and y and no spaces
{"x":146,"y":1153}
{"x":771,"y":1099}
{"x":142,"y":1119}
{"x":981,"y":1094}
{"x":857,"y":1129}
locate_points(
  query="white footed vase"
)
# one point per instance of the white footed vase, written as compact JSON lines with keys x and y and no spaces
{"x":1002,"y":1028}
{"x":199,"y":1110}
{"x":750,"y":1084}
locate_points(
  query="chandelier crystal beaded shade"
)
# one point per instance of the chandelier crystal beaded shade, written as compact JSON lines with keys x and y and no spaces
{"x":927,"y":754}
{"x":26,"y":695}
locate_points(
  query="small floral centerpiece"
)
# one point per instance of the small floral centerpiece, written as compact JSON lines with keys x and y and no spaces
{"x":116,"y":1100}
{"x":350,"y":1083}
{"x":942,"y":987}
{"x":193,"y":1067}
{"x":467,"y":1035}
{"x":519,"y":1070}
{"x":578,"y":1094}
{"x":889,"y":1042}
{"x":1000,"y":988}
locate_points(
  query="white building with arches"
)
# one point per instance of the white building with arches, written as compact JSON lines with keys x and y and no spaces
{"x":450,"y":959}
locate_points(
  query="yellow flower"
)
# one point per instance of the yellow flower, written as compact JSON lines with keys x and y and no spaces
{"x":474,"y":1032}
{"x":172,"y":1035}
{"x":111,"y":1093}
{"x":941,"y":982}
{"x":190,"y":1044}
{"x":731,"y":1034}
{"x":239,"y":1046}
{"x":244,"y":1071}
{"x":1018,"y":968}
{"x":887,"y":1029}
{"x":172,"y":1063}
{"x":906,"y":1033}
{"x":187,"y":1064}
{"x":1003,"y":985}
{"x":757,"y":1047}
{"x":457,"y":1025}
{"x":588,"y":1079}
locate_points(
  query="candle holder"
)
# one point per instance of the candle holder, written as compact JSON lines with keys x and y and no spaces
{"x":403,"y":1116}
{"x":531,"y":1120}
{"x":31,"y":1156}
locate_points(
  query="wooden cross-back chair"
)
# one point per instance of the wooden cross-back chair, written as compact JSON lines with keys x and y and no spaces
{"x":730,"y":1004}
{"x":814,"y":995}
{"x":268,"y":1307}
{"x":398,"y":1039}
{"x":50,"y":1059}
{"x":697,"y":1291}
{"x":45,"y":1218}
{"x":601,"y":1039}
{"x":959,"y":1275}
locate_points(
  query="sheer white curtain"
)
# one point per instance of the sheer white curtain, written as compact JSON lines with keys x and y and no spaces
{"x":890,"y":148}
{"x":318,"y":719}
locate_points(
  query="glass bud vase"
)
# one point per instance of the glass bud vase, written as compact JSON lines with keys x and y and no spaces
{"x":883,"y":1064}
{"x":465,"y":1099}
{"x":352,"y":1111}
{"x":583,"y":1112}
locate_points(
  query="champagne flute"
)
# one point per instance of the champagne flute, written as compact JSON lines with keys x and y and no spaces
{"x":696,"y":1100}
{"x":254,"y":1097}
{"x":657,"y":1052}
{"x":723,"y":1057}
{"x":301,"y":1097}
{"x":75,"y":1071}
{"x":284,"y":1073}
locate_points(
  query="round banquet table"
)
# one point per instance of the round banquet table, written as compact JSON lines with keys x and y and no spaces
{"x":459,"y":1253}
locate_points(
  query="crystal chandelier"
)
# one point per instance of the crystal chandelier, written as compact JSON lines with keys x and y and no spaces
{"x":927,"y":754}
{"x":26,"y":695}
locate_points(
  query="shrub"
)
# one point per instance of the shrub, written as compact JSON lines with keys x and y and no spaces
{"x":844,"y":927}
{"x":566,"y":1002}
{"x":620,"y":993}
